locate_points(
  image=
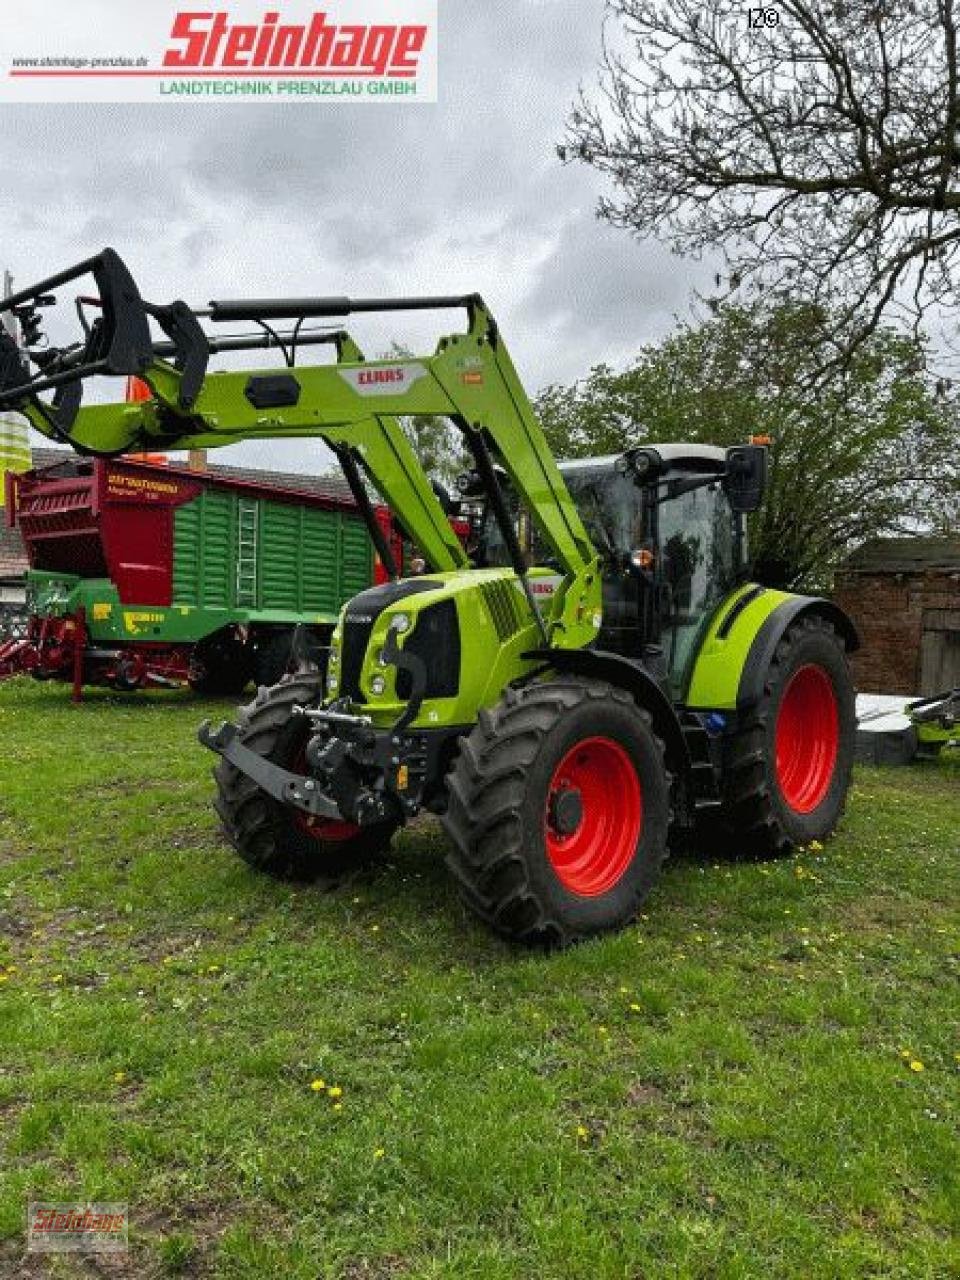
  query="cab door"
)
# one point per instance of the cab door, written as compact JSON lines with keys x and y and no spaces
{"x":697,"y":558}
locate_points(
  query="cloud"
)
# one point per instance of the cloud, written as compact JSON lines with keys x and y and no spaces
{"x":217,"y":201}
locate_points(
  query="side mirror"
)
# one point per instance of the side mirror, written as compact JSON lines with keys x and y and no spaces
{"x":746,"y":477}
{"x":469,"y":484}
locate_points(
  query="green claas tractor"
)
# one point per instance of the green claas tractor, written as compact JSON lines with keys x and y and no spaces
{"x":594,"y":680}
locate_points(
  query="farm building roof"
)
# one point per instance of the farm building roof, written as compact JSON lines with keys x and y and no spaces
{"x":331,"y":485}
{"x":906,"y":555}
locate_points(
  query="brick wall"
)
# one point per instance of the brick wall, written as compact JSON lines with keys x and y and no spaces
{"x":13,"y":557}
{"x":887,"y":610}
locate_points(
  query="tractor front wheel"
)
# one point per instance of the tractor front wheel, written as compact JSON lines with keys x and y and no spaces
{"x":787,"y":769}
{"x":268,"y":835}
{"x":558,"y":811}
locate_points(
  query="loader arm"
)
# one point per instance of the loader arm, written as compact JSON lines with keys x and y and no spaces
{"x":353,"y":406}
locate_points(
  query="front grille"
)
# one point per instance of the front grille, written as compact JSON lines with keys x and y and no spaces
{"x":503,"y":607}
{"x":435,"y":640}
{"x":353,"y":651}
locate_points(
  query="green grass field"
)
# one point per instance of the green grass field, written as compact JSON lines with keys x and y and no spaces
{"x":762,"y":1078}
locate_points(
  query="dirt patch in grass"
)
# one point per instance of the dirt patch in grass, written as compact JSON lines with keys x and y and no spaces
{"x":374,"y":1268}
{"x":644,"y":1094}
{"x":15,"y":1264}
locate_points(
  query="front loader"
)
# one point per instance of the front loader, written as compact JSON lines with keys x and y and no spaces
{"x":596,"y":680}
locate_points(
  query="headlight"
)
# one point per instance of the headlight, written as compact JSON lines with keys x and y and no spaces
{"x":378,"y":685}
{"x":401,"y":622}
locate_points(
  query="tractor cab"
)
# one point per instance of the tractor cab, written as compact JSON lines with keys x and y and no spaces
{"x":669,"y":522}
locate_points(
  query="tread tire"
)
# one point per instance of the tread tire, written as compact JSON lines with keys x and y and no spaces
{"x":220,"y":666}
{"x":497,"y":797}
{"x":263,"y":831}
{"x":754,"y":819}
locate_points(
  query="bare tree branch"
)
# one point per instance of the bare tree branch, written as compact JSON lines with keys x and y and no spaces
{"x":819,"y":154}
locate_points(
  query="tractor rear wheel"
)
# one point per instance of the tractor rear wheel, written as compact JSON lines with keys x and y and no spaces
{"x":268,"y":835}
{"x":558,"y":809}
{"x":787,"y":769}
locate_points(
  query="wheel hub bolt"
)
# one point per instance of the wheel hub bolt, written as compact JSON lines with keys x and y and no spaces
{"x":566,"y":811}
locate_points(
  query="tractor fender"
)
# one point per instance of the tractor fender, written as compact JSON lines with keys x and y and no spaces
{"x":597,"y":664}
{"x":772,"y":631}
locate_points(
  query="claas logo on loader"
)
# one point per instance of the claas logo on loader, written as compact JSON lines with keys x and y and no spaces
{"x":211,"y":40}
{"x":378,"y":377}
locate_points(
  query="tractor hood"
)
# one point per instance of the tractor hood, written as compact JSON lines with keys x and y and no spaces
{"x":439,"y":640}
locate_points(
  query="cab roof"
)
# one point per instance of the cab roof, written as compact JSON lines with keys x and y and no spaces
{"x":680,"y":457}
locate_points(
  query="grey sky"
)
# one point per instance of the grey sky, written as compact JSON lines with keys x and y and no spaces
{"x":209,"y":201}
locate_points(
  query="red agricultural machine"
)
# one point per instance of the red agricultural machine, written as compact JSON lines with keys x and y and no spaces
{"x":154,"y":575}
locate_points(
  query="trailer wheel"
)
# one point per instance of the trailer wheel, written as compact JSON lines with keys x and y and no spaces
{"x":787,"y":770}
{"x":268,"y":835}
{"x":559,"y":805}
{"x":272,"y":653}
{"x":220,"y":665}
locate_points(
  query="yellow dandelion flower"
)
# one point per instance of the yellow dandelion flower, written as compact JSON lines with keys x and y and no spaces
{"x":335,"y":1091}
{"x":4,"y":977}
{"x":57,"y":977}
{"x":317,"y":1086}
{"x":119,"y":1077}
{"x":816,"y":846}
{"x":605,"y":1031}
{"x":379,"y":1153}
{"x":338,"y":1106}
{"x":906,"y":1053}
{"x":636,"y":1008}
{"x":213,"y":968}
{"x":583,"y":1131}
{"x":916,"y":1065}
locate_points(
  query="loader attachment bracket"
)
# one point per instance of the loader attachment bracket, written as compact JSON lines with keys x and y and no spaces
{"x":117,"y":343}
{"x":191,"y":348}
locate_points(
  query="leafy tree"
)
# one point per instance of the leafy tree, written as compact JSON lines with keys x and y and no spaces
{"x":870,"y":451}
{"x":816,"y":145}
{"x":437,"y":442}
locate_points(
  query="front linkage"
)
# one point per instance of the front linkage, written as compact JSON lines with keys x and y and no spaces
{"x":358,"y":774}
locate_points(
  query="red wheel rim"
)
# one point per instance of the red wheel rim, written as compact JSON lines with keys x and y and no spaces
{"x":593,"y":816}
{"x":329,"y":830}
{"x":807,"y":738}
{"x":326,"y":829}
